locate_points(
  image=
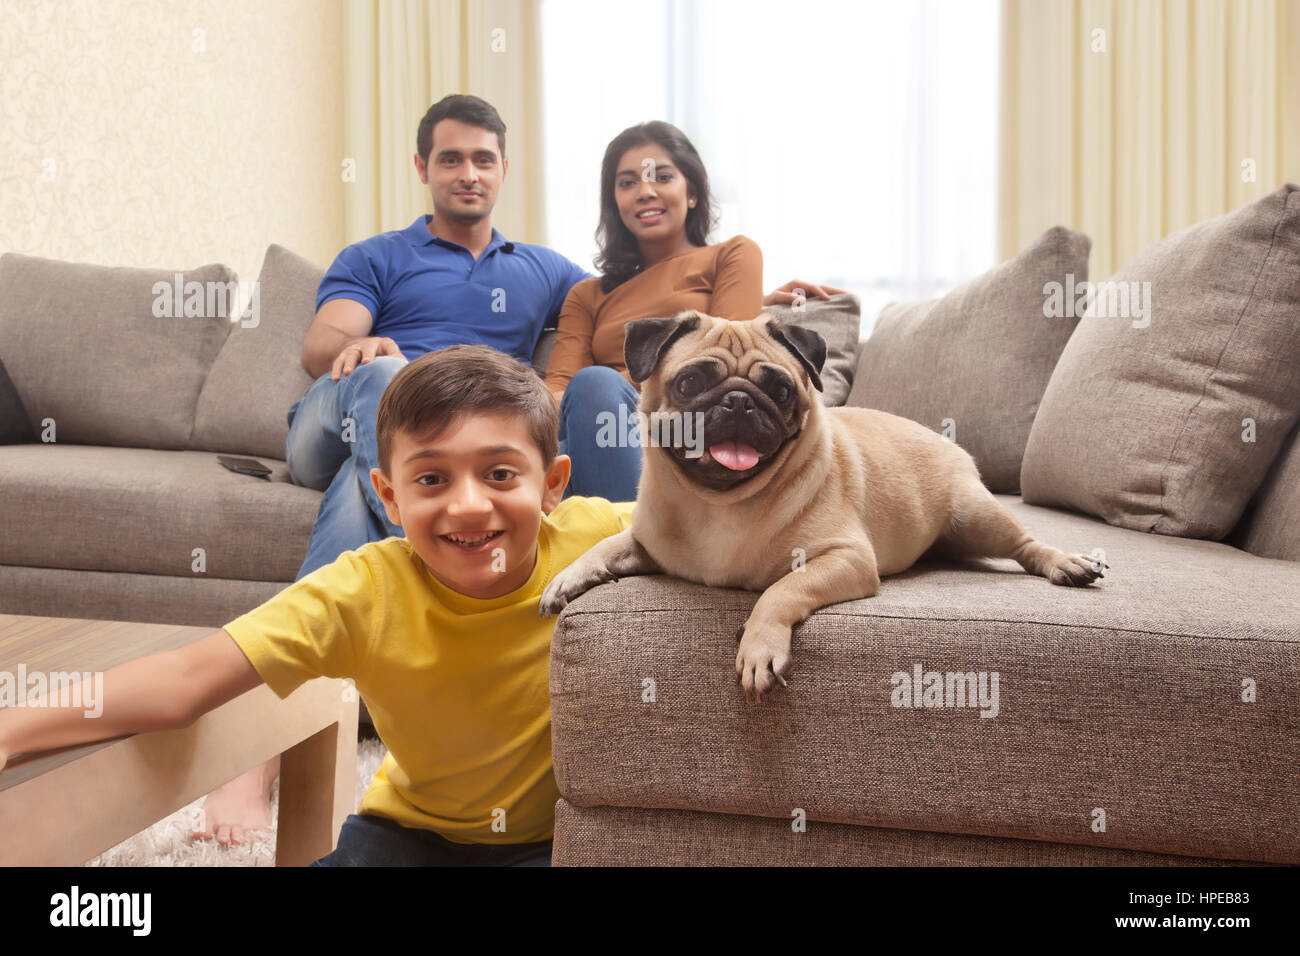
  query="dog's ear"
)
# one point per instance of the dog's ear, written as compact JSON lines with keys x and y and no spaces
{"x":805,"y":345}
{"x":646,"y":340}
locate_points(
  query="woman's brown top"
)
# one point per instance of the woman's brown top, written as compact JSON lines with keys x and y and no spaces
{"x":725,"y":279}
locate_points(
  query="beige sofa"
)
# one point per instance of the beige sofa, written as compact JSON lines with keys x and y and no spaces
{"x":126,"y":514}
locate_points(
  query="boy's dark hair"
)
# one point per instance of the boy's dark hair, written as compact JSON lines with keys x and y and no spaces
{"x":619,"y":258}
{"x":439,"y":388}
{"x":466,"y":109}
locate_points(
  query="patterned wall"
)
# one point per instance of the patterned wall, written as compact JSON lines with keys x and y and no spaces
{"x":169,"y":134}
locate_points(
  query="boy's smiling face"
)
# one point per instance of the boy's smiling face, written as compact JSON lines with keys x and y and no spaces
{"x":470,"y":500}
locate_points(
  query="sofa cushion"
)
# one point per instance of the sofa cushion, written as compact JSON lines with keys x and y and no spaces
{"x":973,"y":364}
{"x":1124,"y":696}
{"x":1271,"y":525}
{"x":1168,"y":422}
{"x":838,"y":321}
{"x":110,"y":354}
{"x":89,"y":508}
{"x":15,"y":427}
{"x":258,"y":374}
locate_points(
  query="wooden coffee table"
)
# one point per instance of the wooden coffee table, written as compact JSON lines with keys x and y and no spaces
{"x":66,"y":806}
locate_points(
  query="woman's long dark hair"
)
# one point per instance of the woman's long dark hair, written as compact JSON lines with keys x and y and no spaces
{"x":619,"y":258}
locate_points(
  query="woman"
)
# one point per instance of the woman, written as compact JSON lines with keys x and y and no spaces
{"x":655,"y":217}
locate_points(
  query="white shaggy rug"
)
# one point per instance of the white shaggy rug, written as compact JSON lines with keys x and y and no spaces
{"x":168,"y":843}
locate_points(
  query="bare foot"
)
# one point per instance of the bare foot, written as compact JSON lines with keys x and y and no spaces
{"x":235,"y":811}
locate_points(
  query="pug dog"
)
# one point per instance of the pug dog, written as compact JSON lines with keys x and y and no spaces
{"x":764,"y":488}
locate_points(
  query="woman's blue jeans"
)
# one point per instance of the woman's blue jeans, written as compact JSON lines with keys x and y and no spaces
{"x":590,"y":417}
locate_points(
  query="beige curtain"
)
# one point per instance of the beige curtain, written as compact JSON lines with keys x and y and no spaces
{"x":402,"y":56}
{"x":1130,"y":119}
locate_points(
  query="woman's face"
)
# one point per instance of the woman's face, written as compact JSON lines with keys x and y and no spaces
{"x":652,"y":194}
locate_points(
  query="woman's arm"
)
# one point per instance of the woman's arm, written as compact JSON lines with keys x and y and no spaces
{"x":738,"y":280}
{"x":572,"y":350}
{"x":159,"y":692}
{"x":796,"y":289}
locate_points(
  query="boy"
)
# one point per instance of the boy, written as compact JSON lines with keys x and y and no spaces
{"x":438,"y":630}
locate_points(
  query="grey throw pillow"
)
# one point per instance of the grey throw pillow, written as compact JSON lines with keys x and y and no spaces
{"x":258,"y":374}
{"x":973,"y":364}
{"x":837,"y":320}
{"x":1166,"y":416}
{"x":113,"y":356}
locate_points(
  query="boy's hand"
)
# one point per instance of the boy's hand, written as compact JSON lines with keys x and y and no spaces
{"x":159,"y":692}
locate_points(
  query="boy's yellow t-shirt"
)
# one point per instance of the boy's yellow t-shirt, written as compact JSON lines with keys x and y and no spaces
{"x":458,"y":687}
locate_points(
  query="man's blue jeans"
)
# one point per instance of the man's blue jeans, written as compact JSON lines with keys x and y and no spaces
{"x":610,"y":472}
{"x":332,"y":447}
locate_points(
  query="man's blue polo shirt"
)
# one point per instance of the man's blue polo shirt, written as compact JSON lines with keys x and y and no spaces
{"x":426,"y":293}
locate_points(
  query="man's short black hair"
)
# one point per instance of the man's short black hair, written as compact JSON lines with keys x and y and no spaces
{"x":466,"y":109}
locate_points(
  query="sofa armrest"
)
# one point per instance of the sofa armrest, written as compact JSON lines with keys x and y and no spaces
{"x":962,"y":698}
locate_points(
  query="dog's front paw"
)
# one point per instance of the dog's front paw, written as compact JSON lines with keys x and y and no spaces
{"x":763,"y":657}
{"x":576,"y":579}
{"x":1078,"y":570}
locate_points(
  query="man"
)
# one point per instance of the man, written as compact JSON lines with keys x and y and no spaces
{"x":447,"y":279}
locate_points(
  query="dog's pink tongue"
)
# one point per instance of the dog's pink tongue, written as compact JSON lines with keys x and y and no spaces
{"x":734,"y":455}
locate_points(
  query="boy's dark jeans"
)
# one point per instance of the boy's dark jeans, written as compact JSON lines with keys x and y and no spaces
{"x":367,"y":840}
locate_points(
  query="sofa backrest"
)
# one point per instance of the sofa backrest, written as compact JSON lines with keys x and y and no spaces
{"x":542,"y":354}
{"x":104,"y":355}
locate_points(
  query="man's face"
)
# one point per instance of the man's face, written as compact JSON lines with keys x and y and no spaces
{"x":470,"y":501}
{"x":464,"y":171}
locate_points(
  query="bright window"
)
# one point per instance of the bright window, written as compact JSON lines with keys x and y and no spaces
{"x":854,"y":142}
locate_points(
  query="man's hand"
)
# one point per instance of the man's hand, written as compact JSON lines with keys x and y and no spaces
{"x":339,"y":322}
{"x":786,"y":294}
{"x":359,"y":351}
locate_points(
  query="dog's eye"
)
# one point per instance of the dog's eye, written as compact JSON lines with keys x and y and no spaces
{"x":688,"y":384}
{"x":781,"y":393}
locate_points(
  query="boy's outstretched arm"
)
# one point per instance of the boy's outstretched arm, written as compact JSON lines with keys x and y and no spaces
{"x":159,"y":692}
